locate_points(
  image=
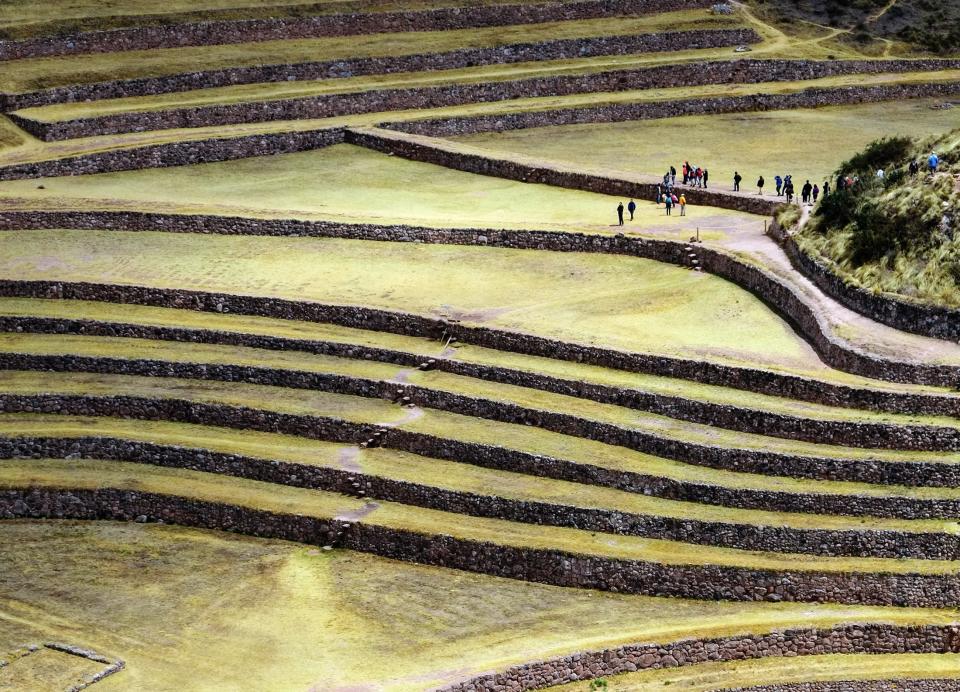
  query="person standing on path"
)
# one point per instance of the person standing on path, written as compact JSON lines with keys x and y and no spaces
{"x":668,"y":200}
{"x":760,"y":184}
{"x":816,"y":193}
{"x":933,"y":162}
{"x":683,"y":204}
{"x":737,"y":178}
{"x":673,"y":175}
{"x":826,"y":188}
{"x":778,"y":182}
{"x":632,"y":207}
{"x":706,"y":177}
{"x":620,"y":213}
{"x":806,"y":191}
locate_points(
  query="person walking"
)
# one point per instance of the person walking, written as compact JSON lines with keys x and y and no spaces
{"x":699,"y":177}
{"x":778,"y":182}
{"x":686,"y":172}
{"x":788,"y":191}
{"x":826,"y":188}
{"x":737,"y":178}
{"x":914,"y":167}
{"x":668,"y":200}
{"x":632,"y":207}
{"x":933,"y":162}
{"x":816,"y":193}
{"x":673,"y":175}
{"x":706,"y":177}
{"x":760,"y":184}
{"x":683,"y":204}
{"x":659,"y":195}
{"x":620,"y":213}
{"x":806,"y":192}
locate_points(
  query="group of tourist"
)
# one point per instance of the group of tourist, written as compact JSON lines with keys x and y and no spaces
{"x":696,"y":176}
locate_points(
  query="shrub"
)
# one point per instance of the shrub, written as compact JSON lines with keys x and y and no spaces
{"x":882,"y":153}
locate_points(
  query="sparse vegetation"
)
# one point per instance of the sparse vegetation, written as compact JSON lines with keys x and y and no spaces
{"x":897,"y":233}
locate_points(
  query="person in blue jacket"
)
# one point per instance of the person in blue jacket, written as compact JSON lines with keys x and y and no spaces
{"x":933,"y":162}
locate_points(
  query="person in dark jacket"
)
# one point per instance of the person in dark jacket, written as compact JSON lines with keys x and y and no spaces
{"x":778,"y":182}
{"x":620,"y":213}
{"x":632,"y":207}
{"x":737,"y":178}
{"x":706,"y":176}
{"x":806,"y":192}
{"x":760,"y":183}
{"x":826,"y":188}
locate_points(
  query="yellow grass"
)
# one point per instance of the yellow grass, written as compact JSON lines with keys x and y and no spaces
{"x":248,"y":613}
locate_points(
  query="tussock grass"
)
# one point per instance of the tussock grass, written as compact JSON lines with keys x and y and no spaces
{"x":899,"y":235}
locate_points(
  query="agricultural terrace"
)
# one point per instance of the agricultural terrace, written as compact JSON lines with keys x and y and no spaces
{"x":361,"y":345}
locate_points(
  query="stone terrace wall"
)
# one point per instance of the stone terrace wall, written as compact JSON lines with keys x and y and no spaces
{"x":916,"y":437}
{"x":941,"y":685}
{"x":420,"y":62}
{"x":177,"y":154}
{"x":754,"y":279}
{"x":746,"y":536}
{"x":685,"y":74}
{"x":710,"y":582}
{"x":808,"y":98}
{"x":675,"y":407}
{"x":447,"y":154}
{"x":928,"y":320}
{"x":846,"y":639}
{"x":243,"y":31}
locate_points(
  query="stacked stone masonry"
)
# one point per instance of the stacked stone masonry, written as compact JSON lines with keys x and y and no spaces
{"x":548,"y":566}
{"x":467,"y":57}
{"x":865,"y":543}
{"x":927,"y":320}
{"x":808,"y":98}
{"x":684,"y":74}
{"x":182,"y":153}
{"x":779,"y":295}
{"x":848,"y":639}
{"x":253,"y":30}
{"x":915,"y":437}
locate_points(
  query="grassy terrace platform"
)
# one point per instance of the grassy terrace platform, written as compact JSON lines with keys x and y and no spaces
{"x":355,"y":185}
{"x":285,"y":500}
{"x":582,"y":298}
{"x":44,"y":73}
{"x":808,"y":143}
{"x":21,"y":19}
{"x":381,"y":463}
{"x":830,"y":668}
{"x":122,"y":349}
{"x":480,"y":75}
{"x":434,"y":422}
{"x":304,"y":335}
{"x":225,"y":606}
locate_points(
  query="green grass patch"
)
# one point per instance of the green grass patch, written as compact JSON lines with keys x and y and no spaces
{"x":613,"y":301}
{"x":808,"y":143}
{"x":252,"y":613}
